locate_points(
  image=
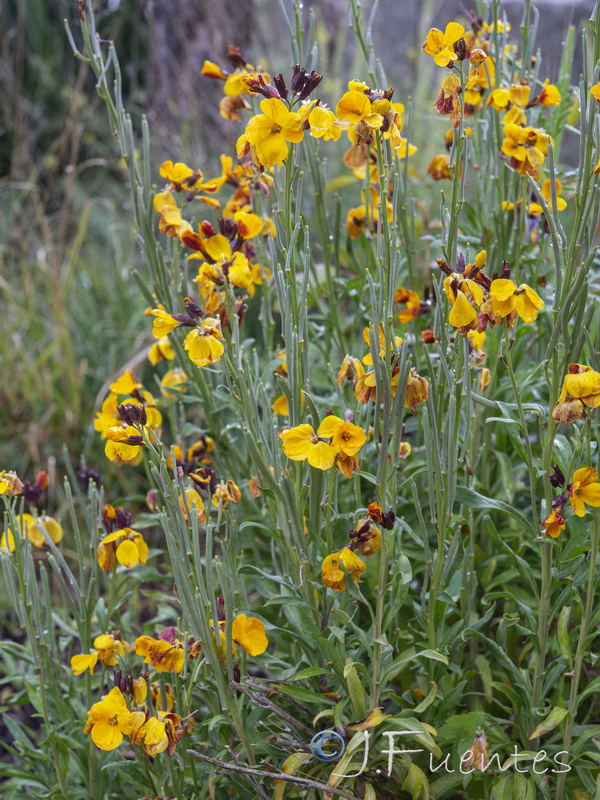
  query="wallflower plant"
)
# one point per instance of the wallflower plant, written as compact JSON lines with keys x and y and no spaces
{"x":348,"y":484}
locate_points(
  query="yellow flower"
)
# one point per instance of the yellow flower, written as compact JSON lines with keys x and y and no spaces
{"x":174,"y":380}
{"x":241,"y":81}
{"x":124,"y":443}
{"x":225,"y":265}
{"x":322,"y":124}
{"x":248,"y":225}
{"x":170,"y":221}
{"x":212,"y":70}
{"x":83,"y":662}
{"x":439,"y":168}
{"x":126,"y":384}
{"x":412,"y":300}
{"x":456,"y":282}
{"x":303,"y":444}
{"x":441,"y":45}
{"x":561,"y":203}
{"x":462,"y":313}
{"x":333,"y":576}
{"x":203,"y":343}
{"x":499,"y":99}
{"x":405,"y":450}
{"x":108,"y":720}
{"x":417,"y":390}
{"x":50,"y":525}
{"x":549,"y":96}
{"x":368,"y":359}
{"x":125,"y":546}
{"x":366,"y":388}
{"x":595,"y":91}
{"x":109,"y":647}
{"x":447,"y":103}
{"x":554,"y":524}
{"x":149,"y":733}
{"x":281,"y":406}
{"x":107,"y":417}
{"x":29,"y":526}
{"x":249,"y":633}
{"x":477,"y":340}
{"x":163,"y":349}
{"x":225,"y":493}
{"x":354,"y":106}
{"x":581,"y":385}
{"x":270,"y":131}
{"x":526,"y":147}
{"x":584,"y":490}
{"x":178,"y":174}
{"x":347,"y":465}
{"x":140,"y":690}
{"x":165,"y":656}
{"x":351,"y":370}
{"x":194,"y":503}
{"x":507,"y":297}
{"x":346,"y":437}
{"x":369,"y":534}
{"x":10,"y":483}
{"x":7,"y":541}
{"x":356,"y":221}
{"x":484,"y":379}
{"x":156,"y":734}
{"x":163,"y":324}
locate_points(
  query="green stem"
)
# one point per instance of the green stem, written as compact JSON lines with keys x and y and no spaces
{"x":580,"y":651}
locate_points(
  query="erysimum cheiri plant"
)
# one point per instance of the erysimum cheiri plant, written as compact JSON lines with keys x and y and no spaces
{"x":370,"y":458}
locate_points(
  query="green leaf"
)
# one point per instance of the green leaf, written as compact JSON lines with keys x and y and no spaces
{"x":562,"y":634}
{"x":554,"y":718}
{"x":461,"y":726}
{"x":309,"y":672}
{"x":302,"y":695}
{"x":472,"y":499}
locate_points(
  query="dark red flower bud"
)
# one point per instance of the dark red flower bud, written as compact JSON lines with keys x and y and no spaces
{"x":460,"y":48}
{"x":557,"y":478}
{"x":280,"y":86}
{"x":220,"y":608}
{"x":132,"y":414}
{"x":235,"y":56}
{"x":192,"y":308}
{"x":168,"y":634}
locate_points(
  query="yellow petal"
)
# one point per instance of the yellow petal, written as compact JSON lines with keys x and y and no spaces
{"x":329,"y":426}
{"x":127,"y":554}
{"x":501,"y":289}
{"x":321,"y":455}
{"x":462,"y":312}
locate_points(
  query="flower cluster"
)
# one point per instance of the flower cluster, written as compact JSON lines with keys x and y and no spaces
{"x":498,"y":299}
{"x":584,"y":490}
{"x":127,"y":410}
{"x":115,"y":716}
{"x":524,"y":145}
{"x":365,"y":537}
{"x":35,"y":527}
{"x":580,"y":390}
{"x":365,"y":383}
